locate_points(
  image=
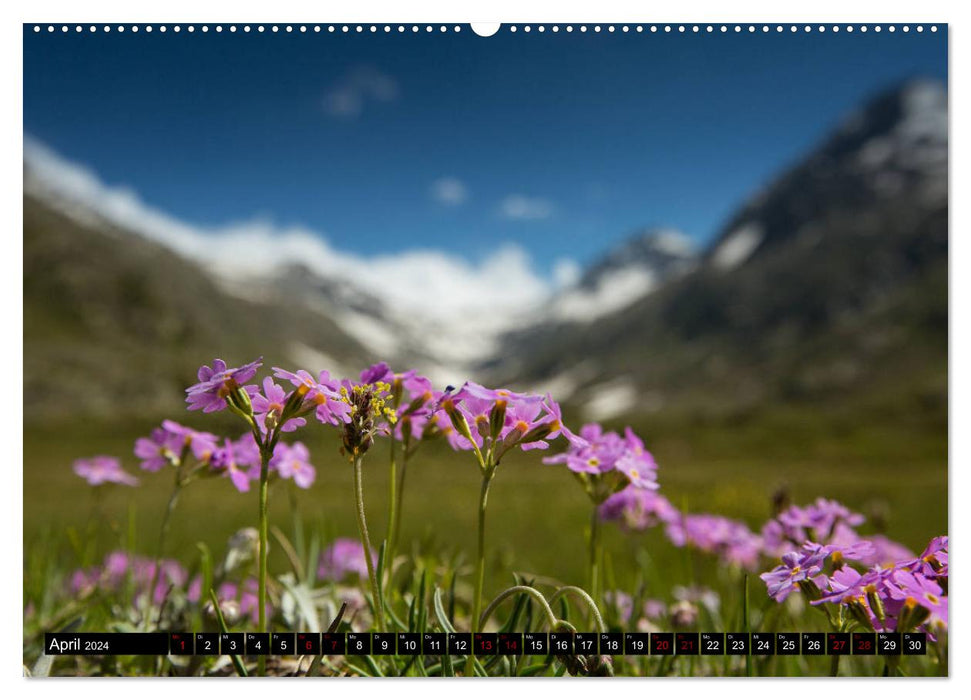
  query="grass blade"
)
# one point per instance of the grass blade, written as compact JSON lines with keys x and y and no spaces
{"x":237,"y":662}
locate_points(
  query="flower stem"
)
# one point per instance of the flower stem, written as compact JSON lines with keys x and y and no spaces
{"x":264,"y":536}
{"x":587,"y":600}
{"x":527,"y":590}
{"x":392,"y":504}
{"x":162,"y":536}
{"x":366,"y":543}
{"x":595,"y":556}
{"x":397,"y":510}
{"x":480,"y":551}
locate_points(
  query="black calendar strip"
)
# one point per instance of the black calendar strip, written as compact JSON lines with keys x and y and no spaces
{"x":487,"y":643}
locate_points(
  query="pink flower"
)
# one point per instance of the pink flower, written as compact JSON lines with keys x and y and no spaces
{"x":103,"y":470}
{"x":217,"y":382}
{"x":293,"y":462}
{"x":344,"y":556}
{"x":269,"y":406}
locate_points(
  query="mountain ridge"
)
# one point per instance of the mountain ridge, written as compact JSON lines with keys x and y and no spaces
{"x":814,"y":260}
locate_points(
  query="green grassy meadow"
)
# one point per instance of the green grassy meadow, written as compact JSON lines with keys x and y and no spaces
{"x":896,"y":474}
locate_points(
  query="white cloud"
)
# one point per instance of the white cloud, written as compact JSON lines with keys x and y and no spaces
{"x":521,"y":207}
{"x":449,"y":191}
{"x":437,"y":285}
{"x":349,"y":95}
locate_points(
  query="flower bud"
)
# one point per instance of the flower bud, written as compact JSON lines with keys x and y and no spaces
{"x":911,"y":615}
{"x":859,"y":612}
{"x":497,"y":418}
{"x":538,"y":433}
{"x":406,"y":430}
{"x":295,"y":401}
{"x":240,"y":400}
{"x":416,"y":404}
{"x":459,"y":422}
{"x":876,"y":605}
{"x":271,"y":420}
{"x":810,"y":589}
{"x":482,"y":426}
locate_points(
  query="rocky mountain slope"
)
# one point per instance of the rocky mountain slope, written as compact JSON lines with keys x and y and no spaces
{"x":832,"y":281}
{"x":115,"y":324}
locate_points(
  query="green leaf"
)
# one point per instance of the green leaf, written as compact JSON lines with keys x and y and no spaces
{"x":237,"y":662}
{"x":440,"y":613}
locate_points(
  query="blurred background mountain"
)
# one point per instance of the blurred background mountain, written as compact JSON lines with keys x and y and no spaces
{"x":827,"y":286}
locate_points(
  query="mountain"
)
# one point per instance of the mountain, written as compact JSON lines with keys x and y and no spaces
{"x":115,"y":324}
{"x":640,"y":265}
{"x":830,"y":282}
{"x":895,"y":147}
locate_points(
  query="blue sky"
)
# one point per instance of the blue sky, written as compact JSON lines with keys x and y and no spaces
{"x":560,"y":143}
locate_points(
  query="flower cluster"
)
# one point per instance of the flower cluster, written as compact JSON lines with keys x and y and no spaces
{"x":103,"y":470}
{"x":171,"y":444}
{"x":320,"y":396}
{"x":369,"y":410}
{"x":818,"y":522}
{"x":805,"y":567}
{"x":906,"y":595}
{"x":236,"y":600}
{"x":731,"y":540}
{"x":638,"y":509}
{"x":605,"y":463}
{"x":344,"y":556}
{"x":735,"y":544}
{"x":827,"y":522}
{"x":221,"y":387}
{"x":239,"y":460}
{"x":415,"y":401}
{"x":490,"y":422}
{"x":119,"y":568}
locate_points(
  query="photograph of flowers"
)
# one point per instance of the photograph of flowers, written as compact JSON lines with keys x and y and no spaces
{"x":358,"y":350}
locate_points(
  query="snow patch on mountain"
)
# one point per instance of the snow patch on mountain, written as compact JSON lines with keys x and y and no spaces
{"x":624,"y":275}
{"x":611,"y":293}
{"x":433,"y":302}
{"x":737,"y":246}
{"x":610,"y":399}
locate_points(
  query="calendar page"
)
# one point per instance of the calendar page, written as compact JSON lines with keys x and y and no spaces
{"x":446,"y":350}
